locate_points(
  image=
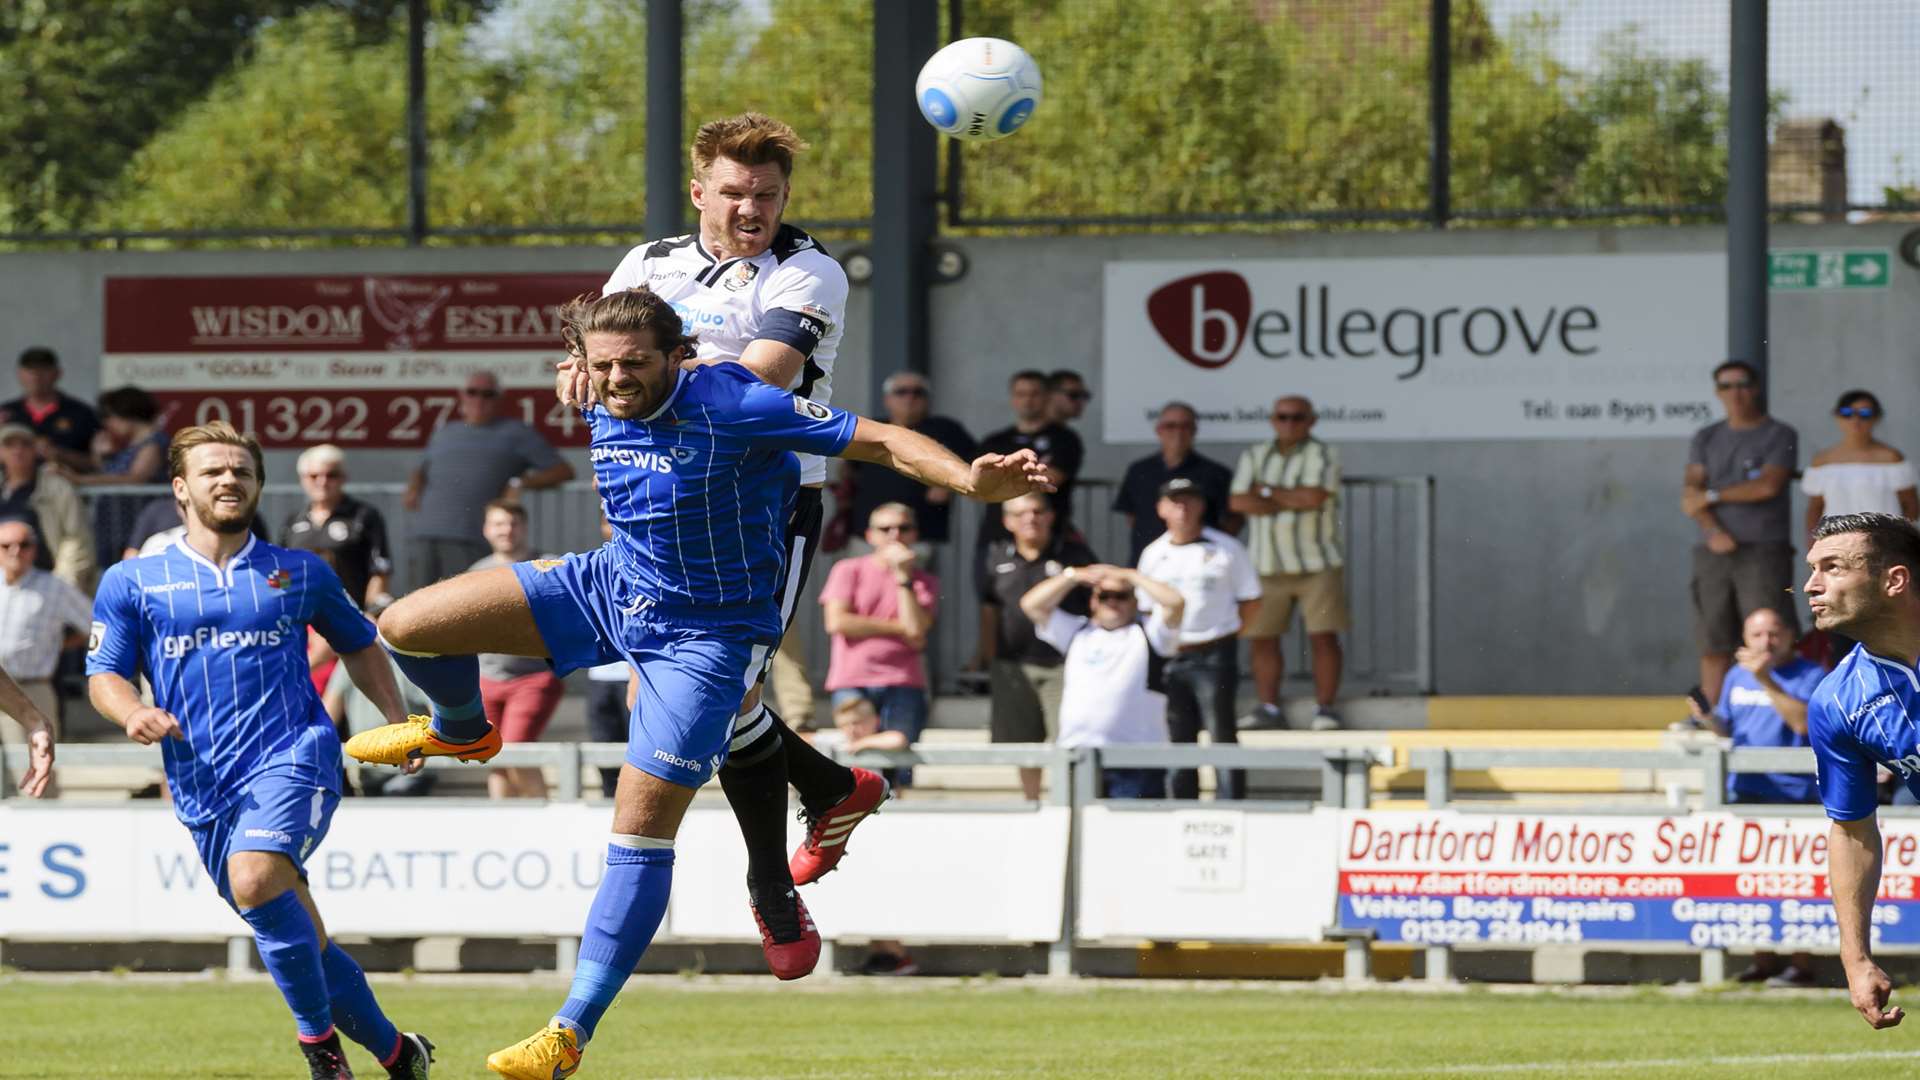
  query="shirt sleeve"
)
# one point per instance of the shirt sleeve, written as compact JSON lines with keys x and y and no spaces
{"x":1814,"y":481}
{"x":926,"y":589}
{"x":1162,"y":638}
{"x":983,"y":580}
{"x":1068,"y":454}
{"x":1842,"y":768}
{"x":1243,"y":478}
{"x":75,"y":611}
{"x":114,"y":639}
{"x":1330,"y":476}
{"x":803,"y":307}
{"x":1697,"y":448}
{"x":630,"y":274}
{"x":335,"y":614}
{"x":776,"y":418}
{"x":1724,"y":707}
{"x":839,"y":584}
{"x":1059,"y":629}
{"x":1784,"y":448}
{"x":379,"y":548}
{"x":1123,"y":495}
{"x":1246,"y":580}
{"x":535,"y":448}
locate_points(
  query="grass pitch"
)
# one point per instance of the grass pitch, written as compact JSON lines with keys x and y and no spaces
{"x":667,"y":1028}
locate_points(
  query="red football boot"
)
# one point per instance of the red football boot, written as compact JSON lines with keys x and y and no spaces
{"x":787,"y":933}
{"x":827,"y":834}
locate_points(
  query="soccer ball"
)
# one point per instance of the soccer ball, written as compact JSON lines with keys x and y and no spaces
{"x":978,"y":89}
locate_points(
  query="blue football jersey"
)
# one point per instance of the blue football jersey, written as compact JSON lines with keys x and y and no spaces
{"x":698,"y":491}
{"x":1863,"y":714}
{"x":1749,"y":714}
{"x":225,"y":648}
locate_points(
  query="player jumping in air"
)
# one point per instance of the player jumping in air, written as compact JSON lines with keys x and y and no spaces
{"x":697,"y":476}
{"x":218,"y":624}
{"x":765,"y":294}
{"x":1864,"y":583}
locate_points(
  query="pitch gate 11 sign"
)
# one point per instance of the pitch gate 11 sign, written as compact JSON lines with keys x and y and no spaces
{"x":1715,"y":880}
{"x":1482,"y":347}
{"x":369,"y":360}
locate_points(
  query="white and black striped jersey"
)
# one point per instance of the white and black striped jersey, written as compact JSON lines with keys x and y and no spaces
{"x":793,"y":293}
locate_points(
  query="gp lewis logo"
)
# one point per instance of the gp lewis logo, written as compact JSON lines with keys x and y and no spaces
{"x":1203,"y":317}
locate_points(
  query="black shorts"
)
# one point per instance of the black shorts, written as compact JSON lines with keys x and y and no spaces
{"x":803,"y":539}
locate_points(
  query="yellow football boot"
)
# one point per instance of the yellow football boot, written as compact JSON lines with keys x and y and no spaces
{"x":547,"y":1054}
{"x":398,"y":744}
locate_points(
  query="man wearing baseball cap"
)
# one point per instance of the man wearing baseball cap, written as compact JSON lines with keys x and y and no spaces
{"x":1215,"y":578}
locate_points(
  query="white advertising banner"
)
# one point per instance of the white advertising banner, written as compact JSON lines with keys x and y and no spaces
{"x":1213,"y":875}
{"x":1470,"y":347}
{"x":947,"y":876}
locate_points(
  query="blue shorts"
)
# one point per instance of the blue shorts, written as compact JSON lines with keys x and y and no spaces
{"x":278,"y":814}
{"x":694,"y":667}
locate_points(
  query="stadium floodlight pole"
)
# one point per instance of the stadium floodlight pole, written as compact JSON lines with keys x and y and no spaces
{"x":1440,"y":113}
{"x":1747,"y":187}
{"x":416,"y":122}
{"x":905,"y":33}
{"x":666,"y":98}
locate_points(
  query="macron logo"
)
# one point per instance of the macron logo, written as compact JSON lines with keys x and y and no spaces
{"x":206,"y":637}
{"x":1883,"y":699}
{"x":678,"y":762}
{"x":171,"y":586}
{"x":1204,"y":317}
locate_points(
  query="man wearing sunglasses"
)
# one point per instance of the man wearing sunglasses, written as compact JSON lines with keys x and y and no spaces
{"x":1735,"y":491}
{"x":468,"y":463}
{"x":1290,"y":491}
{"x":1115,"y":685}
{"x":909,"y":403}
{"x":1067,"y":395}
{"x":1141,"y":488}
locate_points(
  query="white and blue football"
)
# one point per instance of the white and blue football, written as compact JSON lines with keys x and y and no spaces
{"x":979,"y":89}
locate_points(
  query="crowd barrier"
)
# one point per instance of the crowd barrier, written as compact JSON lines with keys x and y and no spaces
{"x":1073,"y":871}
{"x":1387,"y":525}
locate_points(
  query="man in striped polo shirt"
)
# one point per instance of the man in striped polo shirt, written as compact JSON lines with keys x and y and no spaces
{"x":39,"y":613}
{"x":1289,"y":490}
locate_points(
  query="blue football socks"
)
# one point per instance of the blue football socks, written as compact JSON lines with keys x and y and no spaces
{"x":290,"y":947}
{"x":626,"y":912}
{"x":452,"y":683}
{"x":355,"y":1011}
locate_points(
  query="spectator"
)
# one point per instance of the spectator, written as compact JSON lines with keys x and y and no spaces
{"x":39,"y":616}
{"x":608,"y":709}
{"x":1140,"y":489}
{"x":1290,"y":491}
{"x":1735,"y":490}
{"x":861,"y":727}
{"x":1115,"y":665}
{"x":351,"y":533}
{"x":1859,"y":474}
{"x":1763,"y":702}
{"x":131,"y":449}
{"x":908,"y":402}
{"x":468,"y":462}
{"x":38,"y":494}
{"x":520,"y":693}
{"x":1052,"y":442}
{"x":1067,"y":396}
{"x":1215,"y":577}
{"x":63,"y":427}
{"x":880,"y":608}
{"x":1025,"y":670}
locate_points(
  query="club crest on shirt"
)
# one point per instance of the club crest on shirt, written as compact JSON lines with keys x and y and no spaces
{"x":740,"y":276}
{"x":811,"y":409}
{"x":279,"y":579}
{"x":95,"y":636}
{"x":684,"y":454}
{"x":338,"y":531}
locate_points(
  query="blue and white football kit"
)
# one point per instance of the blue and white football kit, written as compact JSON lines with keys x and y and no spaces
{"x":225,"y":648}
{"x":258,"y":769}
{"x":689,"y":588}
{"x":1747,"y":710}
{"x":1864,"y":714}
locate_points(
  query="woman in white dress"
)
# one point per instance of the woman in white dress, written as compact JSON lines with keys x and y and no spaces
{"x":1859,"y":474}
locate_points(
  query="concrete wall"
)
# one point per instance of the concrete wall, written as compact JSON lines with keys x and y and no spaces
{"x":1561,"y":565}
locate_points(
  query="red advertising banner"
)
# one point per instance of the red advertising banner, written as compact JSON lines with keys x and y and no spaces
{"x":373,"y":360}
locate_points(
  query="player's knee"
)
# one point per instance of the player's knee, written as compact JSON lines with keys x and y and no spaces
{"x":255,"y":878}
{"x":399,"y":625}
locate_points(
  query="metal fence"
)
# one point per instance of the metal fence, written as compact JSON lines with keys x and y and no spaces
{"x":1387,"y":524}
{"x":531,"y":125}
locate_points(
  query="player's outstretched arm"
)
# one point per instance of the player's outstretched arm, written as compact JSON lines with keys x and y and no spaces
{"x":1853,"y":869}
{"x":989,"y":478}
{"x":116,"y":699}
{"x":15,"y":703}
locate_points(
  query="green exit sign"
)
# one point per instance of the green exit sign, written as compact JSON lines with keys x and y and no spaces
{"x":1828,"y":269}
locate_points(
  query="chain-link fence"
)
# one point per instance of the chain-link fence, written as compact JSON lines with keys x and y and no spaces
{"x":288,"y":120}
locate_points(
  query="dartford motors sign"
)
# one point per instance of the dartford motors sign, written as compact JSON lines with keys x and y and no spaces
{"x":1574,"y":347}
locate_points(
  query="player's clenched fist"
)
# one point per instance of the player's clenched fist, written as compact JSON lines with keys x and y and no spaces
{"x":149,"y":725}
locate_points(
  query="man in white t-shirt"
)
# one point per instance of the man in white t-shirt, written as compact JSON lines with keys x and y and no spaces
{"x":1114,"y":685}
{"x":1215,"y":576}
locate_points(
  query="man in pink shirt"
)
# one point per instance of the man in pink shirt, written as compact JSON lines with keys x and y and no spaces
{"x":879,"y":609}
